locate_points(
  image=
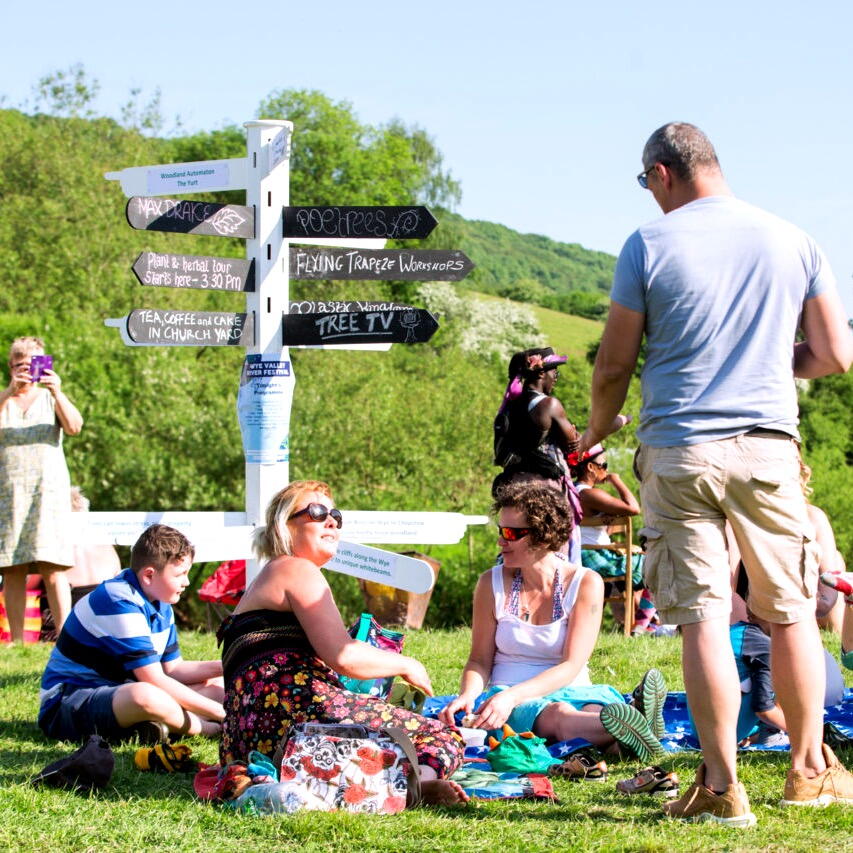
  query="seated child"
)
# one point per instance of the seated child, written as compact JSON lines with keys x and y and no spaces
{"x":759,"y":709}
{"x":117,"y":670}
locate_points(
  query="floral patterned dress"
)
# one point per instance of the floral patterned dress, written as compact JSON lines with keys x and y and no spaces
{"x":273,"y":678}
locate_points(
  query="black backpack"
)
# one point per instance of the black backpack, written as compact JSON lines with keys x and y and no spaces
{"x":505,"y":453}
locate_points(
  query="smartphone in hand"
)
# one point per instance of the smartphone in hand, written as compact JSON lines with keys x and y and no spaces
{"x":38,"y":365}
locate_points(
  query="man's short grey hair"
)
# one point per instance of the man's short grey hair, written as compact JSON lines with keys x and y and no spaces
{"x":682,"y":147}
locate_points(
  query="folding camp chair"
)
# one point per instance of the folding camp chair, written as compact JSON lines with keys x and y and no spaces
{"x":223,"y":590}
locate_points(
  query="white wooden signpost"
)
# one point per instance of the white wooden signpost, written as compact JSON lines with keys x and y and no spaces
{"x":267,"y":380}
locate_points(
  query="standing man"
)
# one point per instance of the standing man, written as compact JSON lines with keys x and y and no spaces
{"x":720,"y":289}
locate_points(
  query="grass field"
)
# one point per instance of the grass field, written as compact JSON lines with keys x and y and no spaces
{"x":140,"y":811}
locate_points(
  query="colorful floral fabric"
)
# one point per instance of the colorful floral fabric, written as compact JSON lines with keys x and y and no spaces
{"x":273,"y":679}
{"x":343,"y":773}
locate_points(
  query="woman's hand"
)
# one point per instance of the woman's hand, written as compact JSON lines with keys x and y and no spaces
{"x":415,"y":673}
{"x":51,"y":381}
{"x":495,"y":712}
{"x":461,"y":703}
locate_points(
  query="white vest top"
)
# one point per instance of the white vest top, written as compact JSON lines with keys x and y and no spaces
{"x":523,"y":650}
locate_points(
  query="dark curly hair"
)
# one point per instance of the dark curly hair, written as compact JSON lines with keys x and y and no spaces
{"x":549,"y":515}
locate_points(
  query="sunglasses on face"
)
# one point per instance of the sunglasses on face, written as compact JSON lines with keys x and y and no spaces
{"x":512,"y":534}
{"x":318,"y":512}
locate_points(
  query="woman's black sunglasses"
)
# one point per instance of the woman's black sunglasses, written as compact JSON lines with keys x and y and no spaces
{"x":318,"y":512}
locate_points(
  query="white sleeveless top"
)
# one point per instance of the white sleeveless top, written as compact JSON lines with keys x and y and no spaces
{"x":523,"y":650}
{"x":592,"y":535}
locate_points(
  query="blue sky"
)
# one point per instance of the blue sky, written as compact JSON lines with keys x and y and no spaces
{"x":540,"y":109}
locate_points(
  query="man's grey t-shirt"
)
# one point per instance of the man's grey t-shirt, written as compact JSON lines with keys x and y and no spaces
{"x":722,"y":286}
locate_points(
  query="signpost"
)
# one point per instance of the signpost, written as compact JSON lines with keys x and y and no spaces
{"x":190,"y":217}
{"x":271,"y":323}
{"x":228,"y":536}
{"x":190,"y":328}
{"x":412,"y":325}
{"x":366,"y":265}
{"x":195,"y":271}
{"x":392,"y":223}
{"x":168,"y":178}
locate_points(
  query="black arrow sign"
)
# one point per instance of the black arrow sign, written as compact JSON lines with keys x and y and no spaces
{"x":411,"y":326}
{"x":393,"y":223}
{"x":319,"y":306}
{"x":190,"y":217}
{"x":200,"y":272}
{"x":378,"y":264}
{"x":190,"y":328}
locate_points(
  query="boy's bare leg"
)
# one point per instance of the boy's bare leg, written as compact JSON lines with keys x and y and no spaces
{"x":139,"y":702}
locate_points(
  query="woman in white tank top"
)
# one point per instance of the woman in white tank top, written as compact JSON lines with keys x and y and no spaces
{"x":536,"y":621}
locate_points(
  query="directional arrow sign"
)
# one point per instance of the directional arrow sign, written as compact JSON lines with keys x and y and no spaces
{"x":190,"y":217}
{"x":195,"y":271}
{"x":366,"y":265}
{"x":311,"y":306}
{"x":190,"y":328}
{"x":168,"y":178}
{"x":388,"y":568}
{"x":397,"y":223}
{"x":414,"y":325}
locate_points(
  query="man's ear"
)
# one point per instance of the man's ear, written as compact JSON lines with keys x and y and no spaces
{"x":146,"y":575}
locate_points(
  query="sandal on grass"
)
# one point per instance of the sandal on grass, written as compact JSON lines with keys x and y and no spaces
{"x":579,"y":767}
{"x":650,"y":780}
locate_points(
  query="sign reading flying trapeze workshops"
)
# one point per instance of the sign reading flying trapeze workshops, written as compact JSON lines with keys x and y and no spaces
{"x":342,"y":245}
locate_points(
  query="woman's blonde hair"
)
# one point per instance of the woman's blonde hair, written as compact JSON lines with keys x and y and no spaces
{"x":273,"y":540}
{"x":24,"y":346}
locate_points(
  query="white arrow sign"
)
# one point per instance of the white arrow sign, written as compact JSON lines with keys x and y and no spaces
{"x":170,"y":178}
{"x":385,"y":567}
{"x":120,"y":323}
{"x":226,"y":536}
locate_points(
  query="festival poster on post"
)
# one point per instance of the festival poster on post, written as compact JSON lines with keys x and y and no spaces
{"x":263,"y":408}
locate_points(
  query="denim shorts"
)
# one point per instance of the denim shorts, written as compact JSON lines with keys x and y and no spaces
{"x":80,"y":712}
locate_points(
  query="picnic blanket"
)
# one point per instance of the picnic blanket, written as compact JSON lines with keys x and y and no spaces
{"x":679,"y":733}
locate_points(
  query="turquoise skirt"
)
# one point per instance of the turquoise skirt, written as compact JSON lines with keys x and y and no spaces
{"x":524,"y":715}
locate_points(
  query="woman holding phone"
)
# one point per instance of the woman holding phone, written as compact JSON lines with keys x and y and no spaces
{"x":35,"y":503}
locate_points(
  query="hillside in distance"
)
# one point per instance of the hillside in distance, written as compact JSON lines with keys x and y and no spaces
{"x":530,"y":267}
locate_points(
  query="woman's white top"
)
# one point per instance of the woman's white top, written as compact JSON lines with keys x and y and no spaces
{"x":523,"y":650}
{"x":593,"y":535}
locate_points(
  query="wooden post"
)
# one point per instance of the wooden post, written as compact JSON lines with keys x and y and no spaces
{"x":268,"y":191}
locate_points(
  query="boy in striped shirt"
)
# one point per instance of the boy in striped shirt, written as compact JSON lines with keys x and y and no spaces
{"x":117,"y":670}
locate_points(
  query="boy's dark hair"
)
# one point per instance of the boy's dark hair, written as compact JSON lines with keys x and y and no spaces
{"x":158,"y":546}
{"x":549,"y":516}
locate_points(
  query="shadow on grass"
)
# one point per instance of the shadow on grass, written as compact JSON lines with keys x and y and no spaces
{"x":18,"y":678}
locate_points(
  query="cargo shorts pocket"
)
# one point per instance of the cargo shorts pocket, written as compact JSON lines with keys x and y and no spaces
{"x":658,"y":572}
{"x":810,"y":566}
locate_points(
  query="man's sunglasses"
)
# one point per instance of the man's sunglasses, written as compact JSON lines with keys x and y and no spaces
{"x":512,"y":534}
{"x":643,"y":177}
{"x":318,"y":512}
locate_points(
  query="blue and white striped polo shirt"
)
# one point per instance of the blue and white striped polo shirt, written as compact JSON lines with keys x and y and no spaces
{"x":109,"y":633}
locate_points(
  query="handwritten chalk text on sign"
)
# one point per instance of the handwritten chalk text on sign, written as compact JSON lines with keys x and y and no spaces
{"x":397,"y":223}
{"x":195,"y":271}
{"x":378,"y":264}
{"x":185,"y":216}
{"x":411,"y":325}
{"x":190,"y":328}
